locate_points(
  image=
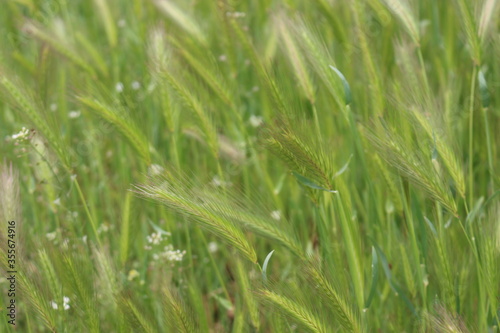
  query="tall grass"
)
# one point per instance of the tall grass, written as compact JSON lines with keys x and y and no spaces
{"x":228,"y":166}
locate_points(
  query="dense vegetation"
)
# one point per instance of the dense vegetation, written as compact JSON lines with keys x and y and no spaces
{"x":251,"y":166}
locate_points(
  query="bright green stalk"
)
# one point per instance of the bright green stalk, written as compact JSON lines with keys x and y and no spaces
{"x":488,"y":145}
{"x":471,"y":136}
{"x":353,"y":253}
{"x":415,"y":251}
{"x":89,"y":215}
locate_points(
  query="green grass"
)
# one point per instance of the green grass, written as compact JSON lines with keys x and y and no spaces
{"x":170,"y":146}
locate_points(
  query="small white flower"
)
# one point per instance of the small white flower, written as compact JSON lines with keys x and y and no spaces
{"x":54,"y":305}
{"x":235,"y":14}
{"x":73,"y":177}
{"x":222,"y":58}
{"x":212,"y":247}
{"x":172,"y":255}
{"x":103,"y":228}
{"x":22,"y":135}
{"x":276,"y":214}
{"x":119,"y":87}
{"x":216,"y":181}
{"x":155,"y":170}
{"x":255,"y":121}
{"x":53,"y":107}
{"x":84,"y":239}
{"x":57,"y":202}
{"x":135,"y":85}
{"x":66,"y":303}
{"x":65,"y":243}
{"x":154,"y":238}
{"x":51,"y":236}
{"x":74,"y":114}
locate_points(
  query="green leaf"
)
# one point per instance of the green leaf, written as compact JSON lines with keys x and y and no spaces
{"x":434,"y":147}
{"x":279,"y":186}
{"x":309,"y":183}
{"x":474,"y":211}
{"x":394,"y":286}
{"x":226,"y":304}
{"x":158,"y":229}
{"x":373,"y":288}
{"x":264,"y":266}
{"x":344,"y":168}
{"x":431,"y":226}
{"x":347,"y":88}
{"x":483,"y":89}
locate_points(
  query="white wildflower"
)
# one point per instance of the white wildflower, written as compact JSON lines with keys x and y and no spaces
{"x":276,"y":214}
{"x":74,"y":114}
{"x":65,"y":243}
{"x":66,"y":303}
{"x":119,"y":87}
{"x":172,"y":255}
{"x":235,"y":14}
{"x":255,"y":121}
{"x":51,"y":236}
{"x":103,"y":228}
{"x":135,"y":85}
{"x":155,"y":170}
{"x":222,"y":58}
{"x":57,"y":202}
{"x":53,"y":107}
{"x":155,"y":238}
{"x":22,"y":135}
{"x":217,"y":182}
{"x":212,"y":247}
{"x":53,"y":305}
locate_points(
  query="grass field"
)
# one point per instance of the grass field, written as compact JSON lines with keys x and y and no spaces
{"x":250,"y":166}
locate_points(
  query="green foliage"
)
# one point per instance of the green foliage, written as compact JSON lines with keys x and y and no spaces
{"x":157,"y":153}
